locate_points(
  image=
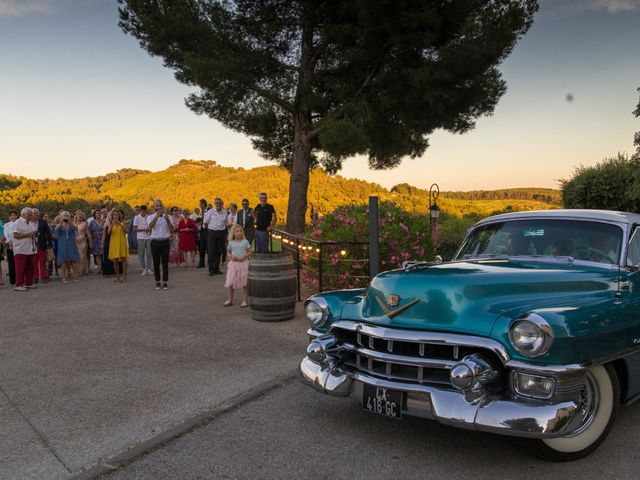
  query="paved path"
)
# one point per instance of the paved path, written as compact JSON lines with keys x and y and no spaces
{"x":96,"y":370}
{"x":293,"y":433}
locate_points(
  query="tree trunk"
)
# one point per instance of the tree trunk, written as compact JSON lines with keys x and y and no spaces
{"x":299,"y":180}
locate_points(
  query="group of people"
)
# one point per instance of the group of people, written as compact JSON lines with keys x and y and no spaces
{"x":37,"y":251}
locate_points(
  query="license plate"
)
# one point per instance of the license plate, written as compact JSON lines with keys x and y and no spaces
{"x":382,"y":401}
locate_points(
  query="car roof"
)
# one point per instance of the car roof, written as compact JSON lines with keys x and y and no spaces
{"x":574,"y":214}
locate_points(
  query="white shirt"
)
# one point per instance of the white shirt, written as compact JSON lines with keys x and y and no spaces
{"x":142,"y":223}
{"x":160,"y":230}
{"x":23,"y":246}
{"x":8,"y":232}
{"x":233,"y":218}
{"x":216,"y":220}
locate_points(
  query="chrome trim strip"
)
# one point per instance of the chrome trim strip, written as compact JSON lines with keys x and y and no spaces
{"x":392,"y":384}
{"x":399,"y":359}
{"x":419,"y":336}
{"x":545,"y":369}
{"x":315,"y":333}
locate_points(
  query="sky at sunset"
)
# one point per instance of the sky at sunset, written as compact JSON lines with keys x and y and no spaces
{"x":79,"y":98}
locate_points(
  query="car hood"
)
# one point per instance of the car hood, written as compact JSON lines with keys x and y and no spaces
{"x":467,"y":297}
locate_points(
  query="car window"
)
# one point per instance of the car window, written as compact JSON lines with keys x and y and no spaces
{"x":633,"y":255}
{"x":582,"y":240}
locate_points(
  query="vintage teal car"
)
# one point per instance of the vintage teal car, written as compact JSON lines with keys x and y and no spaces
{"x":532,"y":330}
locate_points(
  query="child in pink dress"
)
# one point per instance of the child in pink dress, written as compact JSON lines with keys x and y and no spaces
{"x":238,"y":252}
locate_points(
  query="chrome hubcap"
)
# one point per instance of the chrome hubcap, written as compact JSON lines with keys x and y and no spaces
{"x":590,"y":399}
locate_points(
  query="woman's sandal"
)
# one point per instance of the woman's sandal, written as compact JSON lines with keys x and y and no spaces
{"x":227,"y":303}
{"x":244,"y":304}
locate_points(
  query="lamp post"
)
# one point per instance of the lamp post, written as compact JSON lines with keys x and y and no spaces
{"x":434,"y":213}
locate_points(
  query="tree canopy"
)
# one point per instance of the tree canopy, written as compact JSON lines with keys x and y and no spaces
{"x":315,"y":82}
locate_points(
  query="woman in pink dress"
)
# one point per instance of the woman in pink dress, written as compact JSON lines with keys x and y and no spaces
{"x":187,"y":229}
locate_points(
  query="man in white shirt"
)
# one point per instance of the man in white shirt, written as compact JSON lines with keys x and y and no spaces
{"x":8,"y":235}
{"x":142,"y":232}
{"x":202,"y":241}
{"x":216,"y":221}
{"x":24,"y":250}
{"x":161,"y":230}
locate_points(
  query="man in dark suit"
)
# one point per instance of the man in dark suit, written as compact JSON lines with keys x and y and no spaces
{"x":202,"y":247}
{"x":245,"y":220}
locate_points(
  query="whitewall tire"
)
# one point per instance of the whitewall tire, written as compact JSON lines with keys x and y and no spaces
{"x":601,"y":397}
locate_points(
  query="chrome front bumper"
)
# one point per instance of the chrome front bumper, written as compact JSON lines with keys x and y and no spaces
{"x":503,"y":414}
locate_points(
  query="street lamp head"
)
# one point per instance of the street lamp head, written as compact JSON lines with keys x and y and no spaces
{"x":434,"y":212}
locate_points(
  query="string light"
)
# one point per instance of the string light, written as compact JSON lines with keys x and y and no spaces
{"x":343,"y":252}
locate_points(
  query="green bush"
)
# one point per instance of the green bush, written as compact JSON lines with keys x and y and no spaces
{"x":613,"y":184}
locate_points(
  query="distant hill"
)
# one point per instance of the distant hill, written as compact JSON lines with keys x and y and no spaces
{"x":186,"y":182}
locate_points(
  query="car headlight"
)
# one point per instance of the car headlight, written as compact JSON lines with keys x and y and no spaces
{"x":535,"y":386}
{"x":531,"y":335}
{"x":317,"y":310}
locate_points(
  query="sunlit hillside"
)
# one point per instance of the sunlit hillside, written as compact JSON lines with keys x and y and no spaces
{"x":185,"y":183}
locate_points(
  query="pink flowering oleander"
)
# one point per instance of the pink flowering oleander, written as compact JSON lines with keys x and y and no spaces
{"x":403,"y":236}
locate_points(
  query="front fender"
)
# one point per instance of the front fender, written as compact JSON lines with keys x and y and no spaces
{"x":337,"y":300}
{"x":585,"y":330}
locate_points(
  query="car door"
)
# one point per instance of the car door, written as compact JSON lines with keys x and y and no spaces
{"x":630,"y":313}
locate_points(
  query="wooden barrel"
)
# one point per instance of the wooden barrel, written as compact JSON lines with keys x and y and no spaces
{"x":272,"y":286}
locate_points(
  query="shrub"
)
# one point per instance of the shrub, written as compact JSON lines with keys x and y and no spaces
{"x":613,"y":184}
{"x":403,"y":236}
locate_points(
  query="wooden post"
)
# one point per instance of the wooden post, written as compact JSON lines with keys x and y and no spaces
{"x":374,"y":238}
{"x":298,"y":265}
{"x":320,"y":268}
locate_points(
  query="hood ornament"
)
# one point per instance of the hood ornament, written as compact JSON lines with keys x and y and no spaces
{"x":392,"y":300}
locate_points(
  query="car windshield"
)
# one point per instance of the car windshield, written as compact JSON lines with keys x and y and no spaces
{"x":581,"y":240}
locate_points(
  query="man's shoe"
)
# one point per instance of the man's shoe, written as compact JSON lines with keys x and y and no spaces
{"x":158,"y":287}
{"x":218,"y":272}
{"x":165,"y":286}
{"x":211,"y":274}
{"x":21,"y":289}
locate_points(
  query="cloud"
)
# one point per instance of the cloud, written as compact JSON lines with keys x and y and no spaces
{"x":20,"y":8}
{"x":562,"y":8}
{"x":16,"y":8}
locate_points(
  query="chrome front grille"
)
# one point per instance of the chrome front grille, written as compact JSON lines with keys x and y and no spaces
{"x":425,"y":361}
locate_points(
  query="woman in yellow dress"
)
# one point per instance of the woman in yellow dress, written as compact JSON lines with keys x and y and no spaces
{"x":118,"y":249}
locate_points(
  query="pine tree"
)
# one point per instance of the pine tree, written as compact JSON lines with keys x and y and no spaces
{"x":315,"y":82}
